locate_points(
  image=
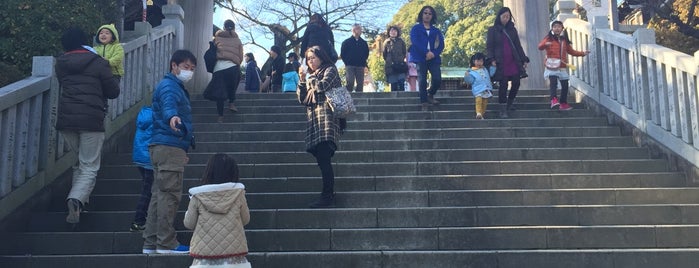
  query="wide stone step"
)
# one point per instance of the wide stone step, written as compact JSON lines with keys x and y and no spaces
{"x":464,"y":105}
{"x":369,"y":101}
{"x":132,"y":185}
{"x":576,"y":258}
{"x":403,"y":144}
{"x":435,"y":155}
{"x":444,"y":238}
{"x":433,"y":198}
{"x":444,"y":133}
{"x":456,"y":113}
{"x":309,"y":169}
{"x":425,"y":125}
{"x":409,"y":217}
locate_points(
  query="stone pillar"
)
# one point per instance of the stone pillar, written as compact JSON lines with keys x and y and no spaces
{"x":531,"y":19}
{"x":565,"y":9}
{"x":174,"y":15}
{"x":197,"y":34}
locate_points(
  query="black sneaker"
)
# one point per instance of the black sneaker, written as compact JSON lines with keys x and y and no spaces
{"x":135,"y":227}
{"x":324,"y":202}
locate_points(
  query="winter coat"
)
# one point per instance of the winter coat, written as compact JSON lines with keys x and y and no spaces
{"x":291,"y":80}
{"x":170,"y":98}
{"x":393,"y":52}
{"x":217,"y":214}
{"x":228,"y":46}
{"x":86,"y":82}
{"x":276,"y":65}
{"x":354,"y":52}
{"x":321,"y":125}
{"x":420,"y":40}
{"x":315,"y":35}
{"x":113,"y":51}
{"x":494,"y":46}
{"x":252,"y":77}
{"x":554,"y":49}
{"x":144,"y":130}
{"x":479,"y":79}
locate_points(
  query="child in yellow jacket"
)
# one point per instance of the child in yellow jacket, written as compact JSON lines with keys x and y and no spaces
{"x":108,"y":46}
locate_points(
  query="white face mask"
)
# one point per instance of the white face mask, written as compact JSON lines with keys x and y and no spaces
{"x":185,"y":75}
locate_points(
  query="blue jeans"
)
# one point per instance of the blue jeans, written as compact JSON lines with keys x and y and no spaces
{"x":436,"y":81}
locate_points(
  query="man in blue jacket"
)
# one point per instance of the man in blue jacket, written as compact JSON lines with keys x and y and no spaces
{"x":354,"y":53}
{"x":172,"y":136}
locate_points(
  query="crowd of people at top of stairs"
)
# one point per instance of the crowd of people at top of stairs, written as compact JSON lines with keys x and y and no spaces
{"x":165,"y":130}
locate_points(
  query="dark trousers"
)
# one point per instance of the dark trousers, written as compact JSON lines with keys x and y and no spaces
{"x":553,"y":82}
{"x":436,"y":81}
{"x":323,"y":154}
{"x":398,"y":86}
{"x":503,"y":96}
{"x":144,"y":200}
{"x":227,"y":80}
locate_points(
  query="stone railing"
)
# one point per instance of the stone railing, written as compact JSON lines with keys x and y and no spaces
{"x":651,"y":87}
{"x":32,"y":152}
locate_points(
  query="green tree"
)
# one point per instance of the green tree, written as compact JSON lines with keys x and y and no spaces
{"x":464,"y":24}
{"x":33,"y":28}
{"x":676,"y":25}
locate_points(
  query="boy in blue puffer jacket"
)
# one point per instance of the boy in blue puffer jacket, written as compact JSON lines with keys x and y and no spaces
{"x":479,"y":79}
{"x":140,"y":157}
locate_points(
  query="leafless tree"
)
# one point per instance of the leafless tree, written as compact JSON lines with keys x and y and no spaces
{"x":286,"y":20}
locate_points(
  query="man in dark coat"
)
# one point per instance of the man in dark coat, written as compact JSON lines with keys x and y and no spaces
{"x":354,"y":53}
{"x":86,"y":82}
{"x":274,"y":68}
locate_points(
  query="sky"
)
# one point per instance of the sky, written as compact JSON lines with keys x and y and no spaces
{"x":221,"y":15}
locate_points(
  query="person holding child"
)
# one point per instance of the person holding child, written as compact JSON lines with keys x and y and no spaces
{"x":217,"y":212}
{"x":108,"y":46}
{"x":479,"y":79}
{"x":557,"y":47}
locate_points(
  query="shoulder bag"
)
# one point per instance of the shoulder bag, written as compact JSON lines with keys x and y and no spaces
{"x":340,"y":101}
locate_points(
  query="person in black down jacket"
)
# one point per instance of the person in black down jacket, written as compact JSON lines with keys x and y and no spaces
{"x":318,"y":33}
{"x":86,"y":82}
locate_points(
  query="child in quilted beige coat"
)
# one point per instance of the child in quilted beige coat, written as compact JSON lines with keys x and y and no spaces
{"x":217,"y":213}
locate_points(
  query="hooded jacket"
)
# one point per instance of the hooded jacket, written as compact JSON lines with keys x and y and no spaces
{"x":144,"y":130}
{"x":217,"y":214}
{"x":228,"y":46}
{"x":113,"y":51}
{"x":86,"y":83}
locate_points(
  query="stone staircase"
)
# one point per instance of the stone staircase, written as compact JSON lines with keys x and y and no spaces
{"x":414,"y":189}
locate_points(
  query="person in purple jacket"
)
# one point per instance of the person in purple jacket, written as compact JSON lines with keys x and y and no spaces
{"x":427,"y":44}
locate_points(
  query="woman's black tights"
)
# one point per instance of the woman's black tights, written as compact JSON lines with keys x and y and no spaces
{"x":323,"y":154}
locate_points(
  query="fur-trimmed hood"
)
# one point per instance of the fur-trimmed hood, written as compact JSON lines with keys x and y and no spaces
{"x":218,"y":198}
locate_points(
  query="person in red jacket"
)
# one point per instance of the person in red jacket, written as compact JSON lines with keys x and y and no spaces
{"x":557,"y":46}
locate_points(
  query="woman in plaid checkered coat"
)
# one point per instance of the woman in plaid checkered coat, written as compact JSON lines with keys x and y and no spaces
{"x":323,"y":129}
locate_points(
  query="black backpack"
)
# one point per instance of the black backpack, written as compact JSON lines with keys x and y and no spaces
{"x":210,"y":57}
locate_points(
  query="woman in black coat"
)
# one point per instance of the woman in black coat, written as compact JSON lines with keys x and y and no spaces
{"x":318,"y":33}
{"x":323,"y":128}
{"x":504,"y":47}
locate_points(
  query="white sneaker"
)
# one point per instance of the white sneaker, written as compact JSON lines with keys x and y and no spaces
{"x":181,"y":249}
{"x":148,"y":251}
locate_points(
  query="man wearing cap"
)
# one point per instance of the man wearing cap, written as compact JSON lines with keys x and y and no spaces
{"x":354,"y":53}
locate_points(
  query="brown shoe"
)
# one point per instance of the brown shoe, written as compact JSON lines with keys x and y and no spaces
{"x":232,"y":108}
{"x":431,"y":100}
{"x":426,"y":106}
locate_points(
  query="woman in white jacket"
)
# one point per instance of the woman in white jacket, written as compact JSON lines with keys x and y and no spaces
{"x":217,"y":213}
